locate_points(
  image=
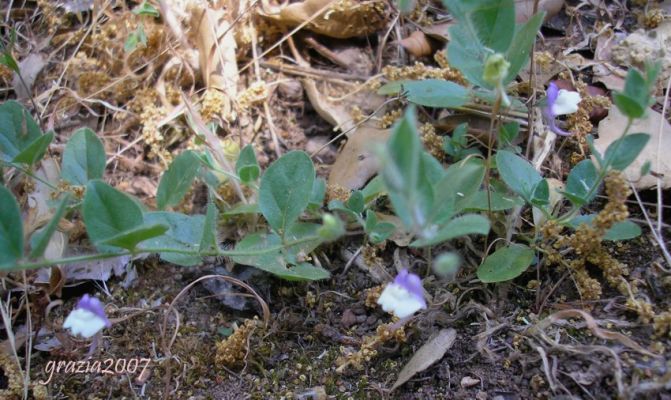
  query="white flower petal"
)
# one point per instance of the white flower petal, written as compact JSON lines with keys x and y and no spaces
{"x":566,"y":102}
{"x":395,"y":299}
{"x":83,"y":322}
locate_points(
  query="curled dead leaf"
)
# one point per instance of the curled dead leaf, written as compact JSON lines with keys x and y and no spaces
{"x":417,"y":44}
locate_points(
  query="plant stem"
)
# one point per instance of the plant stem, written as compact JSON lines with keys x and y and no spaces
{"x":217,"y":252}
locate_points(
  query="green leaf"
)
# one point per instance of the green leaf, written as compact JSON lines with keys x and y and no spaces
{"x":493,"y":21}
{"x":468,"y":224}
{"x":461,"y":181}
{"x":146,"y":9}
{"x":247,"y":167}
{"x":623,"y":230}
{"x":508,"y":133}
{"x":184,"y":233}
{"x":241,"y":209}
{"x":208,"y":242}
{"x":374,"y":189}
{"x":317,"y":194}
{"x":34,"y":152}
{"x":11,"y":230}
{"x":628,"y":106}
{"x":108,"y":212}
{"x":274,"y":261}
{"x":177,"y":180}
{"x":355,"y":202}
{"x":467,"y":54}
{"x":541,"y":196}
{"x":135,"y":38}
{"x":635,"y":98}
{"x":83,"y":158}
{"x":622,"y":152}
{"x":7,"y":59}
{"x":499,"y":201}
{"x":518,"y":53}
{"x":518,"y":174}
{"x":505,"y":263}
{"x":406,"y":175}
{"x":436,"y":93}
{"x":580,"y":182}
{"x":40,"y":239}
{"x":18,"y":130}
{"x":381,"y":232}
{"x":285,"y":189}
{"x":307,"y":232}
{"x":131,"y":238}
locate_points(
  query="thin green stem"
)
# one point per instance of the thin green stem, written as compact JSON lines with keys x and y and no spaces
{"x":217,"y":252}
{"x":29,"y":173}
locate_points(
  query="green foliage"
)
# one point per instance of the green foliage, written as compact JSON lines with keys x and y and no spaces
{"x":11,"y":230}
{"x":131,"y":238}
{"x":177,"y":180}
{"x":505,"y":263}
{"x":21,"y":139}
{"x":635,"y":98}
{"x":581,"y":182}
{"x":430,"y":92}
{"x":108,"y":213}
{"x":83,"y":158}
{"x":146,"y":9}
{"x":247,"y":167}
{"x":623,"y":230}
{"x":285,"y":190}
{"x":424,"y":196}
{"x":622,"y":152}
{"x":522,"y":178}
{"x":507,"y":134}
{"x":275,"y":262}
{"x":485,"y":27}
{"x":135,"y":38}
{"x":183,"y":237}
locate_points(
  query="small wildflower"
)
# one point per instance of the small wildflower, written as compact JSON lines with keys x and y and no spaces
{"x":404,"y":296}
{"x":559,"y":102}
{"x":88,"y":318}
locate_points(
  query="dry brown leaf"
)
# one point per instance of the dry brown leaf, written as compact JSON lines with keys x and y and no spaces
{"x":610,"y":129}
{"x":525,"y":9}
{"x":216,"y":46}
{"x":356,"y":163}
{"x":432,"y":351}
{"x":357,"y":19}
{"x":417,"y":44}
{"x":334,"y":113}
{"x":30,"y":67}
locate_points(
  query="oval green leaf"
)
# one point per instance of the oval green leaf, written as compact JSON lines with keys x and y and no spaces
{"x":285,"y":189}
{"x":83,"y":158}
{"x":505,"y":264}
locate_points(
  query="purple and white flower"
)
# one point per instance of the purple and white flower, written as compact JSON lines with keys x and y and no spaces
{"x":559,"y":102}
{"x":88,"y":318}
{"x":404,"y":296}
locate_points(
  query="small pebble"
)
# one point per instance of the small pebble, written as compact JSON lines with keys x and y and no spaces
{"x":467,"y":382}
